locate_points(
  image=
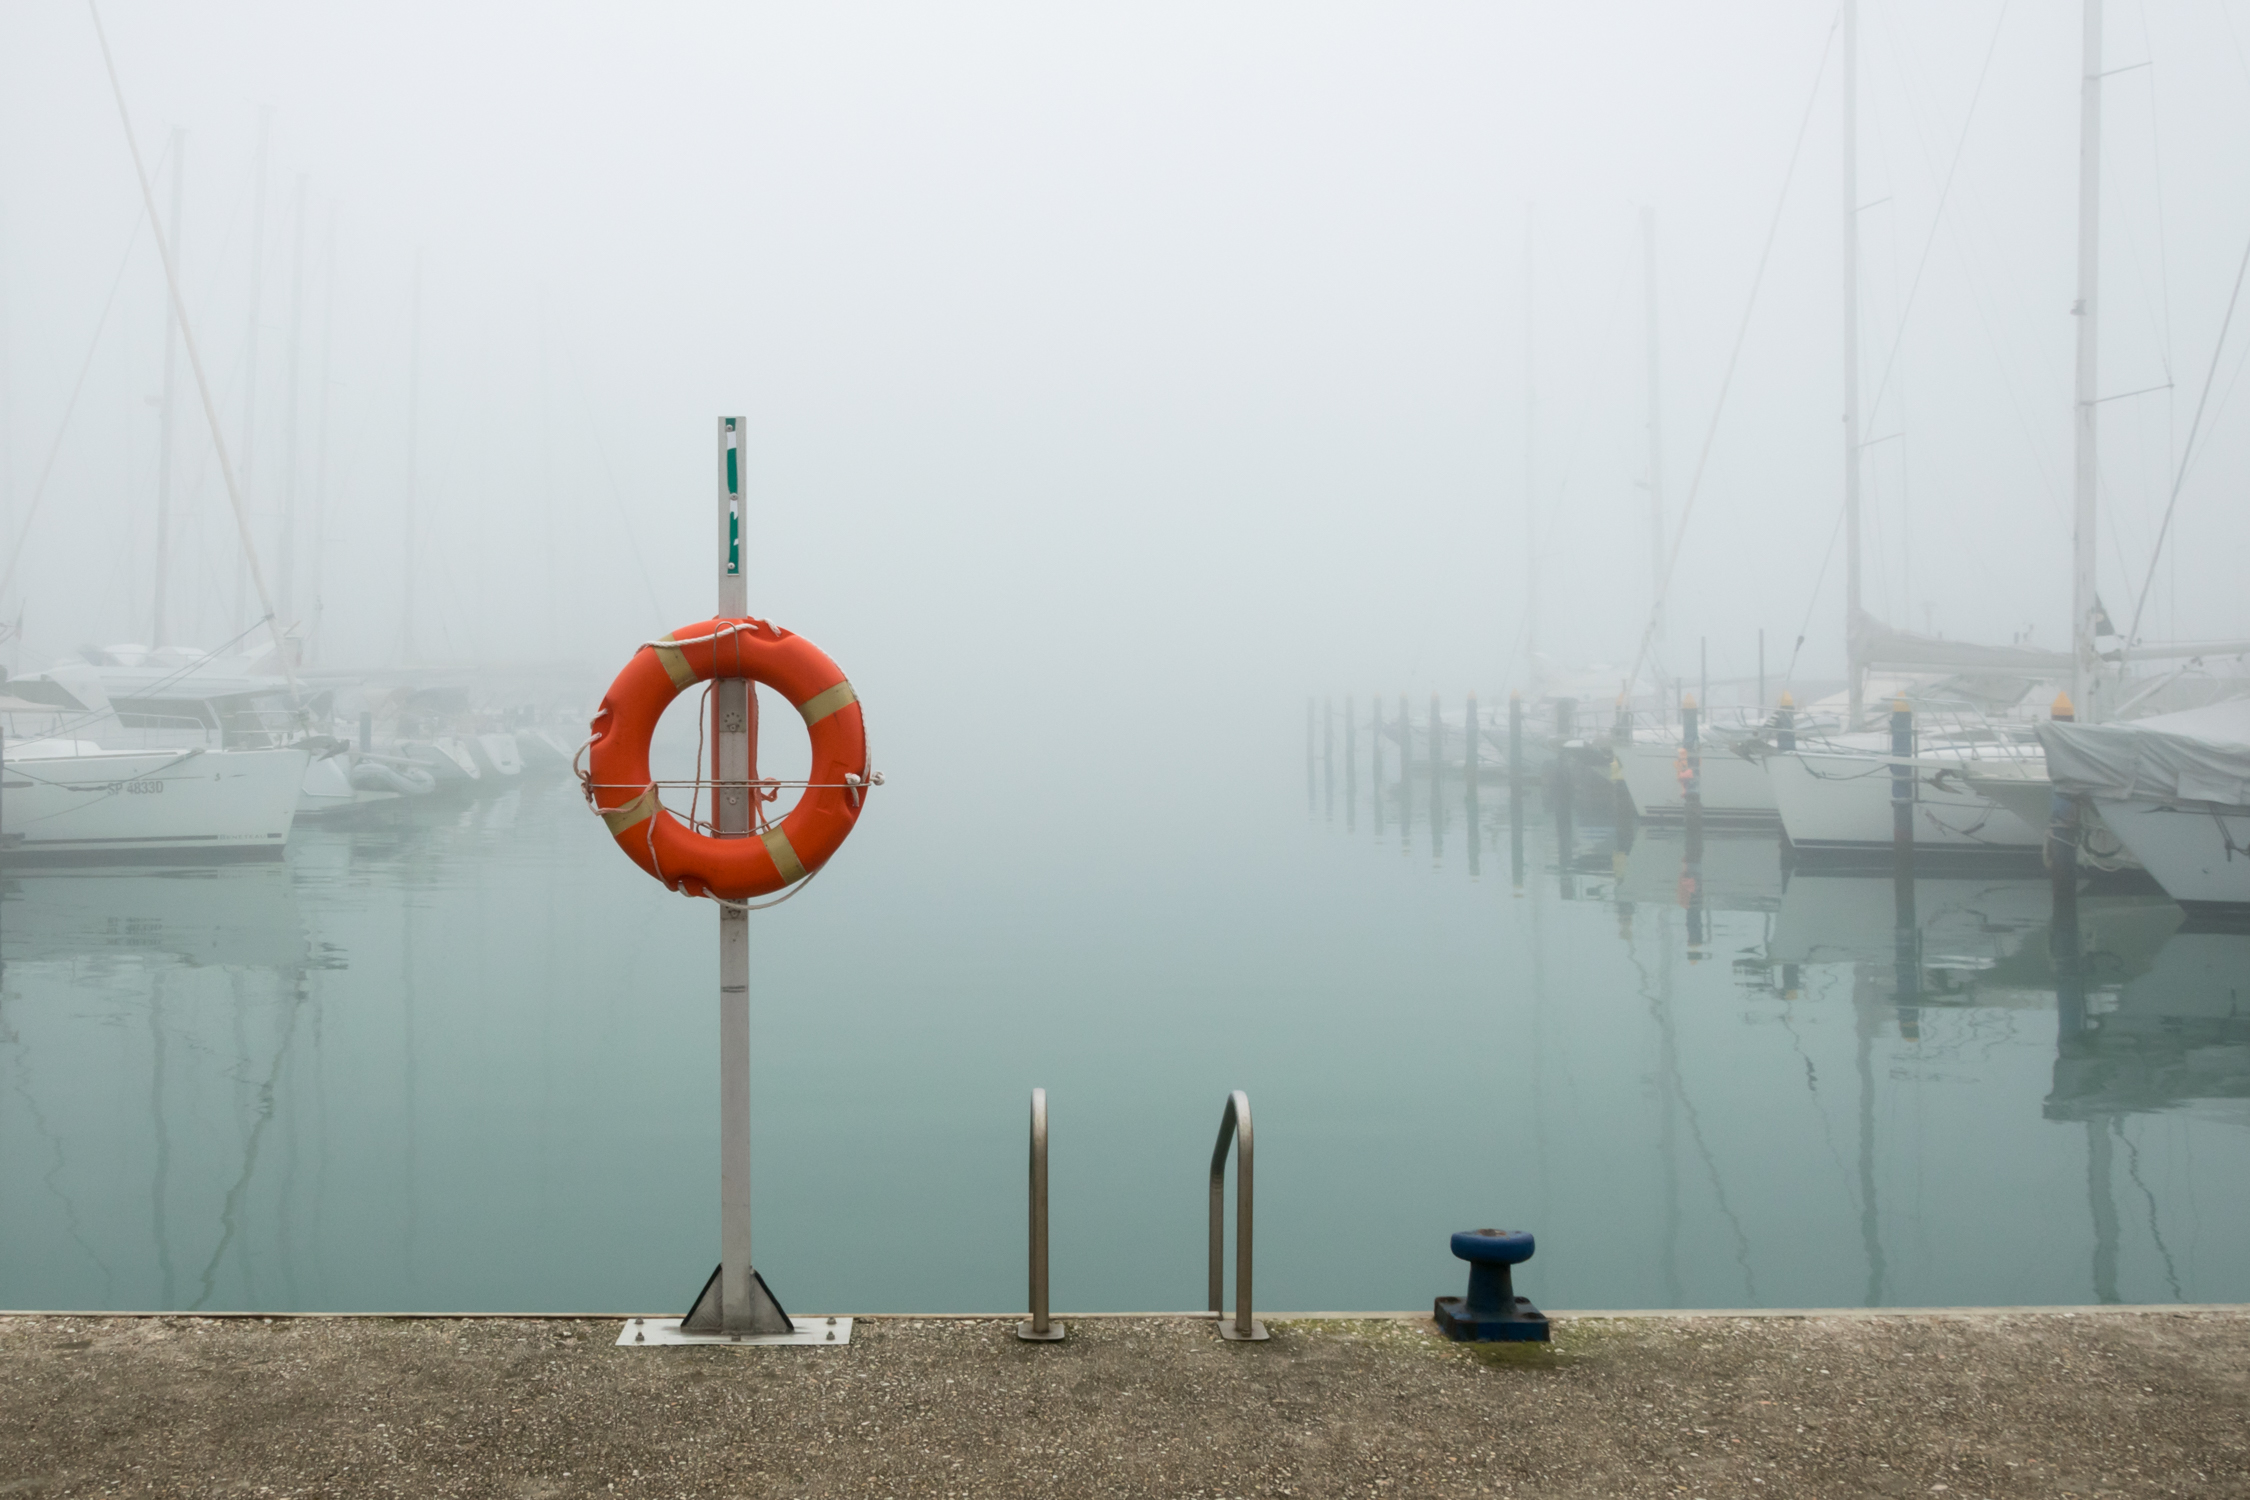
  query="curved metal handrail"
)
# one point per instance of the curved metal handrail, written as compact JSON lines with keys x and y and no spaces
{"x":1234,"y":1126}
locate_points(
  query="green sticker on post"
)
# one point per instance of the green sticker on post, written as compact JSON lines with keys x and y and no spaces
{"x":734,"y":500}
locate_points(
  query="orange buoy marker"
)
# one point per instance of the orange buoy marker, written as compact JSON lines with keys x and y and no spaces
{"x":692,"y":859}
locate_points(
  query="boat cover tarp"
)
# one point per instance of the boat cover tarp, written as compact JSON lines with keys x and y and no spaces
{"x":2197,"y":755}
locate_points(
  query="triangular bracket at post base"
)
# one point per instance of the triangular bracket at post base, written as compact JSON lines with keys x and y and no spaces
{"x":707,"y":1316}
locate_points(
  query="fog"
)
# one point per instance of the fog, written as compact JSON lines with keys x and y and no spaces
{"x":1152,"y":359}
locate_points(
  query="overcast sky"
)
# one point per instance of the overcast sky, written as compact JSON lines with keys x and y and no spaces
{"x":1149,"y":345}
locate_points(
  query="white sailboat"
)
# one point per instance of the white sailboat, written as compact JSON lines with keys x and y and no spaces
{"x":81,"y":783}
{"x":2174,"y":789}
{"x":1977,"y":774}
{"x":77,"y":787}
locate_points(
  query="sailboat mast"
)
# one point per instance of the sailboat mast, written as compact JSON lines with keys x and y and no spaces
{"x":1853,"y":666}
{"x":320,"y":422}
{"x":413,"y":424}
{"x":2085,"y":665}
{"x":286,"y":564}
{"x":158,"y":633}
{"x":1655,"y":439}
{"x":250,"y":355}
{"x":1530,"y":461}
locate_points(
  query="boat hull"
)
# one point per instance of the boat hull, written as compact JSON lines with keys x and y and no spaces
{"x":1732,"y":788}
{"x":141,"y":807}
{"x":1838,"y":806}
{"x":497,"y":757}
{"x":2200,"y":855}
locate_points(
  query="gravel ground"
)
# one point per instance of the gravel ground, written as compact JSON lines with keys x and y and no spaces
{"x":2089,"y":1403}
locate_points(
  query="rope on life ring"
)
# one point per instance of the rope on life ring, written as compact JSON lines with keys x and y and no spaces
{"x":687,"y":856}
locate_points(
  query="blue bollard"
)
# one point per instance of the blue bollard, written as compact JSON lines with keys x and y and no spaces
{"x":1492,"y":1310}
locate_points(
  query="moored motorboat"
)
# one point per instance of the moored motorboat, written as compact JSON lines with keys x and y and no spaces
{"x":375,"y":773}
{"x":541,"y":750}
{"x":446,"y":759}
{"x":496,"y":756}
{"x":69,"y":796}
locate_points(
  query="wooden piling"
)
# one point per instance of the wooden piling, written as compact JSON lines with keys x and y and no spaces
{"x":1515,"y":739}
{"x":1437,"y":779}
{"x":1375,"y":757}
{"x":1405,"y":775}
{"x":1902,"y":786}
{"x":1470,"y":811}
{"x":1351,"y":766}
{"x":1328,"y":756}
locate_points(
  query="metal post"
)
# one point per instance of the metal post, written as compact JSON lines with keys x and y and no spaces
{"x":1761,"y":671}
{"x":1310,"y":790}
{"x":1234,"y":1126}
{"x":735,"y":1301}
{"x":1515,"y":738}
{"x":1039,"y":1328}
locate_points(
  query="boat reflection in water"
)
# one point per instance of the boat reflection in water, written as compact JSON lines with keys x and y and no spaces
{"x":2169,"y":1037}
{"x":1953,"y":1091}
{"x":440,"y":1060}
{"x":198,"y":980}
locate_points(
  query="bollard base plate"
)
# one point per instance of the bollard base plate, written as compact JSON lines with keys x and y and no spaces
{"x":1030,"y":1335}
{"x":1529,"y":1325}
{"x":1256,"y":1335}
{"x":811,"y":1333}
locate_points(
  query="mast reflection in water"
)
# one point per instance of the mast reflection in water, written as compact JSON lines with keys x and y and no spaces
{"x":460,"y":1059}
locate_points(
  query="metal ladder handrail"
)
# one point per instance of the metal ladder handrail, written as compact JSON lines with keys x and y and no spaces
{"x":1234,"y":1128}
{"x":1039,"y":1327}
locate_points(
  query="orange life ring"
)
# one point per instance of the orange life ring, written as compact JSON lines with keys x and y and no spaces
{"x":731,"y":869}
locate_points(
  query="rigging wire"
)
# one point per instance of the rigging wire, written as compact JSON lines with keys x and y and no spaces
{"x":2187,"y":452}
{"x":1937,"y":215}
{"x":1734,"y":356}
{"x":1789,"y":674}
{"x":62,"y":428}
{"x":195,"y":363}
{"x":1576,"y":444}
{"x":616,"y":495}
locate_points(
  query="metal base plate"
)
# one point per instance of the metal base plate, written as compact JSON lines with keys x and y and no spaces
{"x":1454,"y":1320}
{"x":1053,"y":1335}
{"x":1256,"y":1335}
{"x":812,"y":1333}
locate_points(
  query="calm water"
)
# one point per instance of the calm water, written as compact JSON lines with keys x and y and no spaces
{"x":460,"y":1058}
